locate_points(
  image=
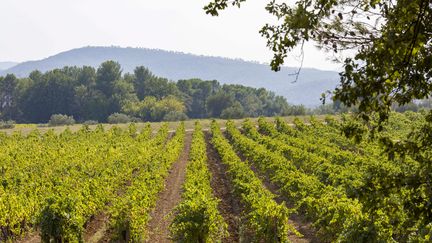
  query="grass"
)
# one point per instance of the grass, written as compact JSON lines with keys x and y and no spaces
{"x":189,"y":125}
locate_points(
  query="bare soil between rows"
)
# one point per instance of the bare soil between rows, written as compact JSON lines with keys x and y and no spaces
{"x":161,"y":216}
{"x":31,"y":237}
{"x":229,"y":205}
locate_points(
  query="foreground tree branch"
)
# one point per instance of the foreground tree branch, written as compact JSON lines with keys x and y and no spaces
{"x":392,"y":40}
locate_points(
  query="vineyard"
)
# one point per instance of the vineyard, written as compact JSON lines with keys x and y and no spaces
{"x":262,"y":180}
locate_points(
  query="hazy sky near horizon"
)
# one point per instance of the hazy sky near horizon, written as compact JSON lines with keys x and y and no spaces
{"x":32,"y":30}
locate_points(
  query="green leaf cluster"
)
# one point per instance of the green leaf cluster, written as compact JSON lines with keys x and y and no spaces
{"x":197,"y":218}
{"x":264,"y":219}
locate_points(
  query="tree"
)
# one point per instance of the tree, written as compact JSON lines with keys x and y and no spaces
{"x":168,"y":108}
{"x":142,"y":76}
{"x":159,"y":88}
{"x":152,"y":109}
{"x":107,"y":74}
{"x":392,"y":40}
{"x":219,"y":102}
{"x":392,"y":65}
{"x":8,"y":99}
{"x":36,"y":76}
{"x":236,"y":111}
{"x":123,"y":92}
{"x":197,"y":91}
{"x":52,"y":94}
{"x":87,"y":94}
{"x":87,"y":76}
{"x":91,"y":104}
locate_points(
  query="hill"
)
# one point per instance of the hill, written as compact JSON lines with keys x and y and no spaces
{"x":7,"y":65}
{"x":175,"y":66}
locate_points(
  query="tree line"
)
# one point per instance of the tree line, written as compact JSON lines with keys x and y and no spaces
{"x":88,"y":93}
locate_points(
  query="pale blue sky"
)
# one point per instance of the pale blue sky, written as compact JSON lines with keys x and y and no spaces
{"x":35,"y":29}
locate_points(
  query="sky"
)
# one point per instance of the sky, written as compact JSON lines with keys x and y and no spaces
{"x":33,"y":30}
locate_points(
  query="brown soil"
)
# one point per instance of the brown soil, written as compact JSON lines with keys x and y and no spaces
{"x":229,"y":205}
{"x":32,"y":237}
{"x":96,"y":228}
{"x":161,"y":216}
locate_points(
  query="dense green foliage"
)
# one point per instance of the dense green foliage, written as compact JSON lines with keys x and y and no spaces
{"x":391,"y":67}
{"x":394,"y":203}
{"x":61,"y":120}
{"x":392,"y":42}
{"x":337,"y":216}
{"x":197,"y":218}
{"x":130,"y":213}
{"x":118,"y":118}
{"x":264,"y":219}
{"x":178,"y":65}
{"x":350,"y":191}
{"x":58,"y":182}
{"x":86,"y":93}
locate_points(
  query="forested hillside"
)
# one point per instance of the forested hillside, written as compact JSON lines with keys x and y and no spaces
{"x":87,"y":93}
{"x":175,"y":65}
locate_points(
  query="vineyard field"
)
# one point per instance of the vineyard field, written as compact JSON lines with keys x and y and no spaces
{"x":252,"y":180}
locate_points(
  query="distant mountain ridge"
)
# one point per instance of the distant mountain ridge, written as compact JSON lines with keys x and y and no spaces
{"x":175,"y":65}
{"x":7,"y":65}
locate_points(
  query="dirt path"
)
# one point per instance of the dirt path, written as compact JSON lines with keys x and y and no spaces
{"x":32,"y":237}
{"x":229,"y":206}
{"x":96,"y":228}
{"x":160,"y":217}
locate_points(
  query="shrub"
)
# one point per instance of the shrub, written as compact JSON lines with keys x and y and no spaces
{"x":61,"y":120}
{"x":90,"y":122}
{"x":175,"y":116}
{"x":7,"y":124}
{"x":118,"y":118}
{"x":135,"y":119}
